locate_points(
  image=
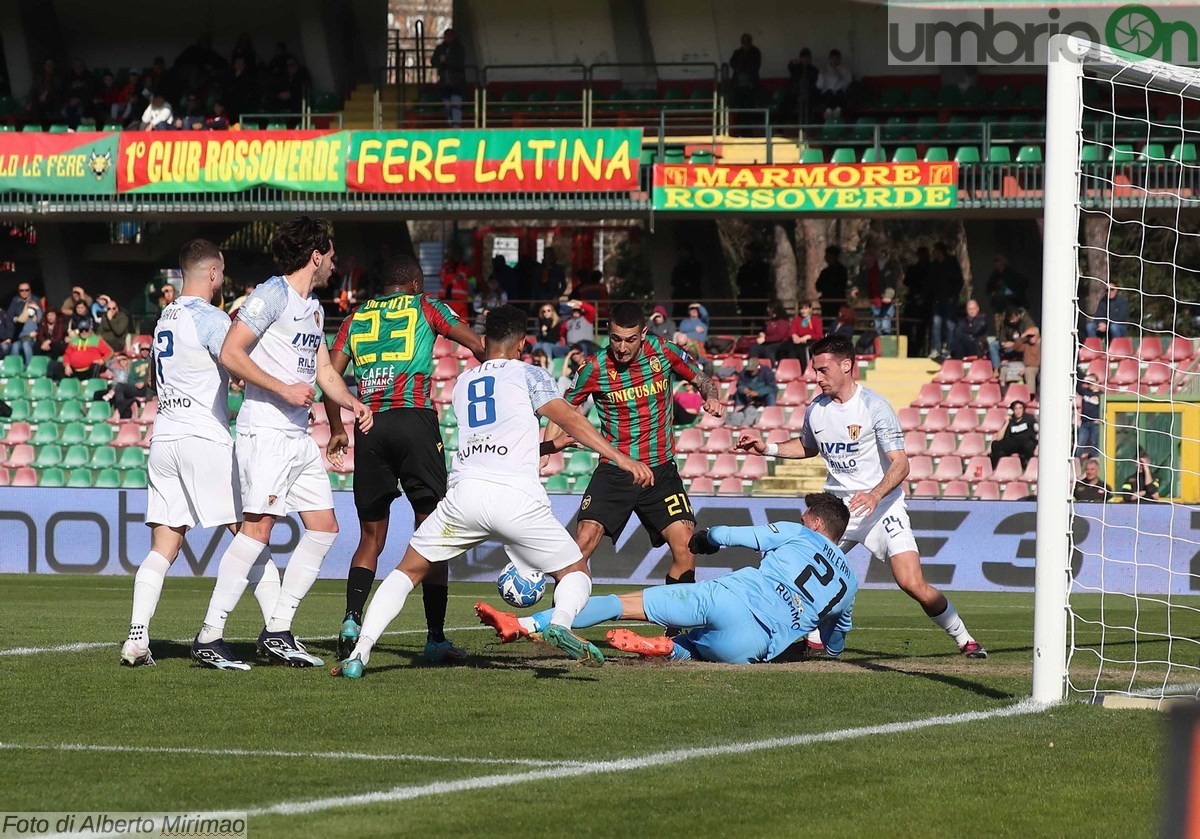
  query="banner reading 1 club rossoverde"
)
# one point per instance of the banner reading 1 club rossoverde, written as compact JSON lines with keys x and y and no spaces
{"x":503,"y":160}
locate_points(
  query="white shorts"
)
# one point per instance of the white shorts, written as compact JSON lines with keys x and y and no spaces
{"x":475,"y":511}
{"x":192,"y":483}
{"x":885,"y":533}
{"x":281,"y":474}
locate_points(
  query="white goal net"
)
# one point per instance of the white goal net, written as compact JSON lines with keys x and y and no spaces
{"x":1118,"y":600}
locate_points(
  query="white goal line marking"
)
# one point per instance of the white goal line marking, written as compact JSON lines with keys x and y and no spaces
{"x":366,"y":756}
{"x":667,"y":758}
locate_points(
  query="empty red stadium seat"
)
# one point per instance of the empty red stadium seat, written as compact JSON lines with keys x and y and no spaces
{"x":936,"y":420}
{"x":1098,"y":368}
{"x":129,"y":433}
{"x":462,"y":352}
{"x":18,"y":432}
{"x":959,"y":396}
{"x":753,"y":469}
{"x":942,"y":444}
{"x":914,"y":443}
{"x":993,"y":420}
{"x":719,"y":440}
{"x":689,"y":441}
{"x":925,"y":489}
{"x":1157,"y":373}
{"x":319,"y":417}
{"x":446,"y":369}
{"x":978,"y":468}
{"x":920,"y":468}
{"x":980,"y":371}
{"x":965,"y":421}
{"x":779,"y":435}
{"x":1017,"y":392}
{"x":22,"y":454}
{"x":695,"y":466}
{"x":4,"y":477}
{"x":910,"y":419}
{"x":1180,"y":350}
{"x":1091,"y":349}
{"x":725,"y":466}
{"x":951,"y":372}
{"x":772,"y":418}
{"x":443,"y":394}
{"x":443,"y":347}
{"x":554,"y":465}
{"x":987,"y":491}
{"x":1030,"y":474}
{"x":971,"y":445}
{"x":708,"y":422}
{"x":789,"y":371}
{"x":948,"y":469}
{"x":1121,"y":348}
{"x":1015,"y":491}
{"x":3,"y":453}
{"x":929,"y":397}
{"x":149,"y":412}
{"x":795,"y":395}
{"x":795,"y":421}
{"x":956,"y":490}
{"x":729,"y":367}
{"x":1149,"y":349}
{"x":26,"y":476}
{"x":320,"y":435}
{"x":1007,"y":469}
{"x":1126,"y":374}
{"x":701,"y":486}
{"x":730,"y":486}
{"x":988,"y":396}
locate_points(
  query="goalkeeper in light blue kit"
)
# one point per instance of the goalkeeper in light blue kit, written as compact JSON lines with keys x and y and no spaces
{"x":803,"y":583}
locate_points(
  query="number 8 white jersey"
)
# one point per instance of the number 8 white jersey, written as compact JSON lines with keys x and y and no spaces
{"x":193,"y":389}
{"x":499,"y":433}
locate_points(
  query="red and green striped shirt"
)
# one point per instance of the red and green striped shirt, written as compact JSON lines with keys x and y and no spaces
{"x":634,"y":402}
{"x":390,"y":340}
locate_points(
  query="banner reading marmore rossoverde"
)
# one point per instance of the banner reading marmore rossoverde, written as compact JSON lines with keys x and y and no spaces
{"x":800,"y":188}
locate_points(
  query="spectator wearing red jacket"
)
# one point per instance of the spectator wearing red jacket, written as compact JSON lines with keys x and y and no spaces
{"x":84,"y":357}
{"x":775,"y":334}
{"x":806,"y":330}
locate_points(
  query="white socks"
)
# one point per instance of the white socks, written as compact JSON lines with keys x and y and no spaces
{"x":952,"y":623}
{"x":301,"y":572}
{"x":814,"y":637}
{"x":571,"y":594}
{"x":385,"y":605}
{"x":147,"y":586}
{"x":232,"y":576}
{"x":264,"y":576}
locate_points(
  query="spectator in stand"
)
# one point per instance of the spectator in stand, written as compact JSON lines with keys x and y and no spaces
{"x":506,"y":275}
{"x":1017,"y":322}
{"x":804,"y":75}
{"x":688,"y":405}
{"x":77,"y":92}
{"x":192,"y":116}
{"x":7,"y":332}
{"x":114,"y":327}
{"x":450,"y":60}
{"x":574,"y":360}
{"x":156,"y":77}
{"x":550,"y":281}
{"x":145,"y":308}
{"x":744,"y":66}
{"x":945,"y":287}
{"x":106,"y":97}
{"x":593,"y":289}
{"x":661,"y":324}
{"x":1019,"y":436}
{"x":1111,"y":318}
{"x":166,"y":296}
{"x":1141,"y":485}
{"x":491,"y":297}
{"x":130,"y":383}
{"x":81,"y":319}
{"x":77,"y":295}
{"x":277,"y":66}
{"x":199,"y":64}
{"x":833,"y":84}
{"x":25,"y":312}
{"x":218,"y":117}
{"x":291,"y":86}
{"x":158,"y":114}
{"x":46,"y":95}
{"x":1030,"y":345}
{"x":806,"y":328}
{"x":1090,"y":487}
{"x":240,"y":91}
{"x":538,"y":358}
{"x":687,"y":279}
{"x":695,"y":325}
{"x":580,"y":328}
{"x":1087,"y":439}
{"x":1005,"y":287}
{"x":695,"y":349}
{"x":872,"y":279}
{"x":970,"y":335}
{"x":833,"y":283}
{"x":884,"y":312}
{"x":130,"y":99}
{"x":243,"y":48}
{"x":51,"y":338}
{"x":754,"y":283}
{"x":98,"y":308}
{"x":457,"y":287}
{"x":548,"y":332}
{"x":847,"y":322}
{"x":84,"y":356}
{"x":775,"y":335}
{"x":755,"y":389}
{"x":916,"y":303}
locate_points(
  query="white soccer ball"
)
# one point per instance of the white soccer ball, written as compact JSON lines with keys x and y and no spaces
{"x":518,"y":589}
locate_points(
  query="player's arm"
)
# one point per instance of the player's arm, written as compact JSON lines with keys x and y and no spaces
{"x":796,"y":448}
{"x":334,"y":387}
{"x":445,"y":322}
{"x":466,"y":336}
{"x":560,"y":413}
{"x":235,"y":357}
{"x":586,"y":384}
{"x":890,"y":440}
{"x":833,"y":635}
{"x":761,"y":538}
{"x":339,"y":440}
{"x":686,"y":368}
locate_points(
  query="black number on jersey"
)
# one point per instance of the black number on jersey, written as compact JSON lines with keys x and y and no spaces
{"x":824,"y":577}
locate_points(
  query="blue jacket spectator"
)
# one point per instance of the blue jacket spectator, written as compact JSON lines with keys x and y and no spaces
{"x":695,"y":325}
{"x":755,"y":386}
{"x":1111,"y":319}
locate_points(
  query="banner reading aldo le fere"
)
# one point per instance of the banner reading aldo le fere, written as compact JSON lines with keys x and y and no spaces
{"x":507,"y":160}
{"x":806,"y":188}
{"x":83,"y":163}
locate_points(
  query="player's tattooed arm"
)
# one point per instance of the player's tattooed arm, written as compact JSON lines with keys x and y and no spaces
{"x":711,"y":393}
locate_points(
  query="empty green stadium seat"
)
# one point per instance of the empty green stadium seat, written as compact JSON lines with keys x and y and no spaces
{"x":277,"y":126}
{"x":1154,"y":152}
{"x":892,"y":97}
{"x":1004,"y":97}
{"x":103,"y":457}
{"x":578,"y":465}
{"x":59,"y":128}
{"x":91,"y":387}
{"x":539,"y":99}
{"x":13,"y":389}
{"x":134,"y":479}
{"x":30,"y":128}
{"x":448,"y":420}
{"x":1033,"y":96}
{"x":864,"y":130}
{"x":132,"y":457}
{"x":937,"y":154}
{"x":326,"y":102}
{"x":52,"y":478}
{"x":98,"y":412}
{"x":975,"y":96}
{"x":566,"y":99}
{"x":874,"y":154}
{"x":37,"y":367}
{"x":1093,"y":153}
{"x":673,"y":155}
{"x":20,"y":409}
{"x":73,"y":433}
{"x":68,"y":389}
{"x":559,"y":484}
{"x":44,"y":412}
{"x":999,"y":154}
{"x":896,"y":128}
{"x":100,"y":435}
{"x":1029,"y":154}
{"x":844,"y":155}
{"x":926,"y":128}
{"x":959,"y":127}
{"x":48,"y":456}
{"x":1122,"y":153}
{"x":40,"y":389}
{"x":71,"y":412}
{"x":47,"y":432}
{"x":335,"y":481}
{"x":1184,"y":152}
{"x":108,"y":479}
{"x":75,"y":457}
{"x":703,"y":156}
{"x":949,"y":96}
{"x":80,"y":479}
{"x":811,"y":155}
{"x":921,"y":97}
{"x":905,"y":154}
{"x":648,"y":157}
{"x":700,"y":98}
{"x":12,"y":366}
{"x":450,"y":439}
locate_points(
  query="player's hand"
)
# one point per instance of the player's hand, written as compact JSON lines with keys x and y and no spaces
{"x":298,"y":395}
{"x":750,"y":444}
{"x":564,"y":441}
{"x":714,"y":407}
{"x":641,"y":473}
{"x":700,"y":544}
{"x":363,"y":415}
{"x":335,"y":449}
{"x":863,"y":503}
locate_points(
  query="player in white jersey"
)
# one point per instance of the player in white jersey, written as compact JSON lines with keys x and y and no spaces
{"x":495,"y":492}
{"x":190,"y":472}
{"x":277,"y":346}
{"x":856,"y":432}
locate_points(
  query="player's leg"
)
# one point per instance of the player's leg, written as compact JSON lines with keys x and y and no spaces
{"x":372,"y":537}
{"x":165,"y":543}
{"x":666,"y":512}
{"x":605,"y":509}
{"x":724,"y":628}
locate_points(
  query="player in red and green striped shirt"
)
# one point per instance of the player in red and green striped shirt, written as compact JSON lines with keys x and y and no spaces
{"x":631,"y":383}
{"x":390,"y":338}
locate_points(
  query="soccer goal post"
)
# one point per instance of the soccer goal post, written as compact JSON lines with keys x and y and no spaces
{"x":1117,"y":577}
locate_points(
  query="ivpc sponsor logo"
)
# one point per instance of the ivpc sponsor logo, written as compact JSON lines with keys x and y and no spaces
{"x":934,"y":34}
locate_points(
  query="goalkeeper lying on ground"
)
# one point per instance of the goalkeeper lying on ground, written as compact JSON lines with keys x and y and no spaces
{"x":752,"y":614}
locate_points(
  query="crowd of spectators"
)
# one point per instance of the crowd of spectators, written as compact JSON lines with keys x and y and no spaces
{"x":812,"y":91}
{"x":202,"y":89}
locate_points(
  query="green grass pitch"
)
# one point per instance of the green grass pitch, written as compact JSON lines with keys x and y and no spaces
{"x":614,"y":751}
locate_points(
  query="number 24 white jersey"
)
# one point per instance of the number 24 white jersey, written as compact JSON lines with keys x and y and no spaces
{"x":499,"y":433}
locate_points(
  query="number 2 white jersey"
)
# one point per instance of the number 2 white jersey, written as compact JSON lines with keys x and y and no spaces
{"x":290,"y":328}
{"x":193,"y":388}
{"x":499,"y":433}
{"x":853,"y":438}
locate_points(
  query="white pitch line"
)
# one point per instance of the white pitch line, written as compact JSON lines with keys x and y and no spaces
{"x":184,"y":750}
{"x":61,"y":648}
{"x":667,"y":758}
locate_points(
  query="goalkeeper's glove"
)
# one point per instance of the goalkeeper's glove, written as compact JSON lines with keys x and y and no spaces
{"x":699,"y":543}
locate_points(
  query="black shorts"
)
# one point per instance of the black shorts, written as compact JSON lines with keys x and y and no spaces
{"x":403,"y":449}
{"x":612,"y":497}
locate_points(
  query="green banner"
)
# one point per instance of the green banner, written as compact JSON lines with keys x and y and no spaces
{"x":82,"y":163}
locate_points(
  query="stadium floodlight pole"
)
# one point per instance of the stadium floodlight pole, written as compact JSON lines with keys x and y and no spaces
{"x":1060,"y":270}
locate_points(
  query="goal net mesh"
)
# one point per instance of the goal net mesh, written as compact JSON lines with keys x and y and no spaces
{"x":1133,"y":606}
